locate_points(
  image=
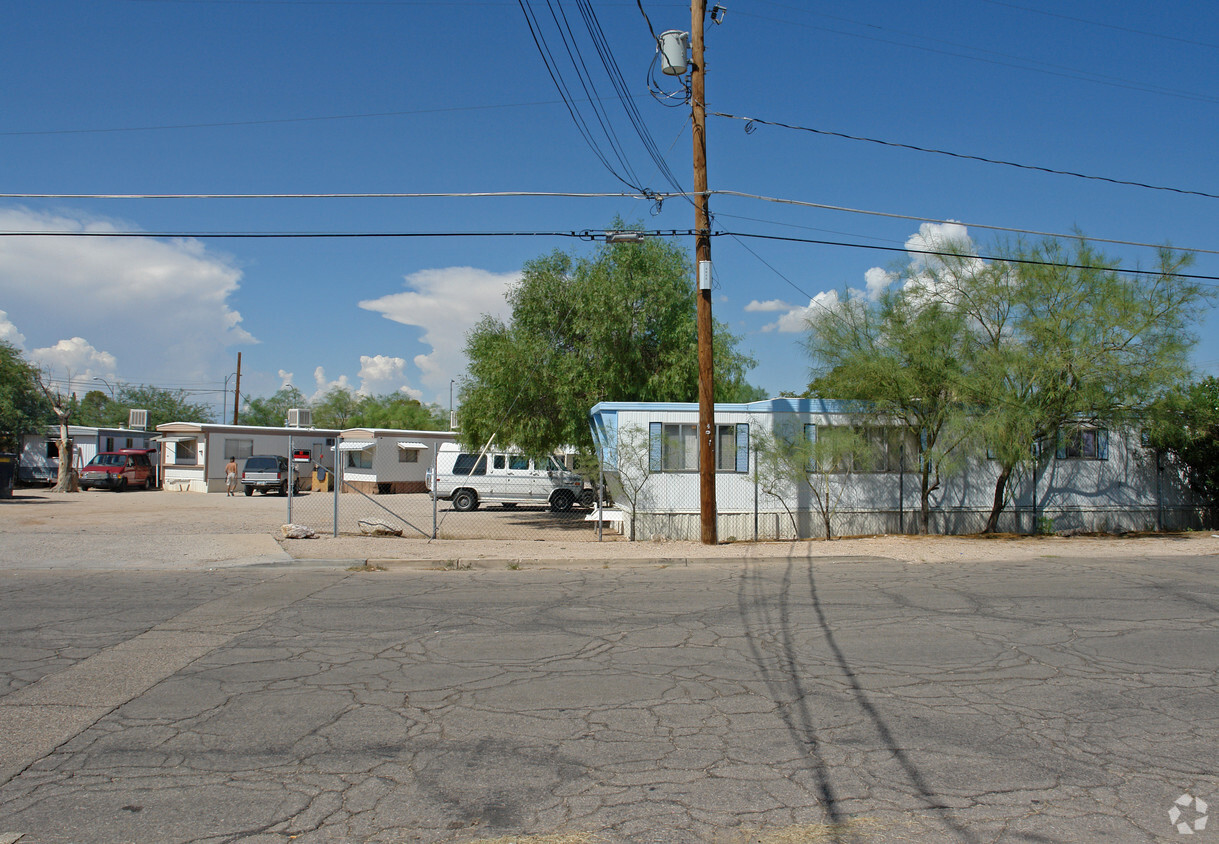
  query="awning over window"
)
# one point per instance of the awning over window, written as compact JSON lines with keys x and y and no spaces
{"x":173,"y":439}
{"x":413,"y":446}
{"x":355,"y":445}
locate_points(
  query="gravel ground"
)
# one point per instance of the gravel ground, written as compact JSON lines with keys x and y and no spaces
{"x":39,"y":528}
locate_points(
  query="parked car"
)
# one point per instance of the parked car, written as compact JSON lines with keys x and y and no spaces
{"x":119,"y":470}
{"x":267,"y":472}
{"x":468,"y":479}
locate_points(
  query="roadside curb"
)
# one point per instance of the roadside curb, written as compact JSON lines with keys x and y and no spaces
{"x":513,"y":564}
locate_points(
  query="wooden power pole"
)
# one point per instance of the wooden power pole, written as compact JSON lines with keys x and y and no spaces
{"x":702,"y":254}
{"x":237,"y":390}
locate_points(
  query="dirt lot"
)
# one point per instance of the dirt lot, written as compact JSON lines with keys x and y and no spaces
{"x":157,"y":528}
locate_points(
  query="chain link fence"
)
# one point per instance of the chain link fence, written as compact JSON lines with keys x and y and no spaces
{"x":328,"y":503}
{"x":666,"y":506}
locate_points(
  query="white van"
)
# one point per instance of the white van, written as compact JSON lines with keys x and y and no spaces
{"x":468,"y":479}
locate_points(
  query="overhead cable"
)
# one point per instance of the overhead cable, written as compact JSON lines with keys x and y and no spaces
{"x":640,"y":195}
{"x":749,"y":120}
{"x":441,"y":195}
{"x":1010,"y":229}
{"x":944,"y":254}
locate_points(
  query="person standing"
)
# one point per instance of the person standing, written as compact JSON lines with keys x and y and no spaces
{"x":230,"y":476}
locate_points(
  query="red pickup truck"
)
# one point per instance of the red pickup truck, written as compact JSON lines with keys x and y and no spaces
{"x":119,"y":470}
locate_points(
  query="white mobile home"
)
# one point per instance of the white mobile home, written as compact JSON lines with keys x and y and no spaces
{"x":1095,"y":480}
{"x":388,"y":460}
{"x":193,"y":454}
{"x":39,"y":459}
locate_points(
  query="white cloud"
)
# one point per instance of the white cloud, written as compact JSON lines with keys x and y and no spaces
{"x":768,"y":306}
{"x":383,"y":374}
{"x":378,"y":368}
{"x":876,"y":280}
{"x":928,"y":272}
{"x":445,"y":303}
{"x":9,"y":332}
{"x":934,"y":237}
{"x":285,"y":378}
{"x":324,"y":386}
{"x":160,"y":307}
{"x":378,"y":375}
{"x":796,"y":319}
{"x":76,"y":357}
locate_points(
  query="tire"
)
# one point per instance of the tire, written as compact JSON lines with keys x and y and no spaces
{"x":121,"y":486}
{"x":148,"y":482}
{"x":283,"y":488}
{"x":465,"y":500}
{"x":588,"y":498}
{"x":249,"y":491}
{"x":561,"y":501}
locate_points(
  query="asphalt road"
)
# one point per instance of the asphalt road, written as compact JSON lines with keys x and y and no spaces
{"x":1054,"y":700}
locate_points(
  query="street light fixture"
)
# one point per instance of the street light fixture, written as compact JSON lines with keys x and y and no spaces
{"x":107,"y":383}
{"x":224,"y":398}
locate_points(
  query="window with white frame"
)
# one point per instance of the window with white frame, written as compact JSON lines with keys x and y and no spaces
{"x":359,"y":459}
{"x":186,"y":452}
{"x":674,"y":447}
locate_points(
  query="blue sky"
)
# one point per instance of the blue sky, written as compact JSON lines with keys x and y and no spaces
{"x":142,"y":97}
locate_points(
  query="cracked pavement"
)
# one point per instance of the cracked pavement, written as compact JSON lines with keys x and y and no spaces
{"x":1050,"y":700}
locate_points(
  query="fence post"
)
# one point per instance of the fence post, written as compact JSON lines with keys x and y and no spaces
{"x":600,"y":501}
{"x":333,"y":482}
{"x":901,"y":487}
{"x":291,"y":480}
{"x":755,"y":494}
{"x":435,"y":526}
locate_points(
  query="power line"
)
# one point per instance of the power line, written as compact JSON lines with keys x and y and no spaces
{"x":1033,"y":232}
{"x":941,"y":254}
{"x":585,"y":234}
{"x":465,"y":195}
{"x":552,"y":67}
{"x":1024,"y":64}
{"x":749,"y":120}
{"x":275,"y":121}
{"x":1114,"y":27}
{"x":500,"y":194}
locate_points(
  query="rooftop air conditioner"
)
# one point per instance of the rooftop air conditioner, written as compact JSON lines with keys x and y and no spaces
{"x":300,"y":417}
{"x":137,"y":420}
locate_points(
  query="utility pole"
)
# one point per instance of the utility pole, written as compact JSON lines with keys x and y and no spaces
{"x":237,"y":390}
{"x":702,"y":255}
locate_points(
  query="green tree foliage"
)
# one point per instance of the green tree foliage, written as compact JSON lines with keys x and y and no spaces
{"x":336,"y":408}
{"x":98,"y":409}
{"x":632,"y":469}
{"x":395,"y":410}
{"x":1058,"y":336}
{"x":902,"y":354}
{"x":343,"y":408}
{"x":1005,"y":354}
{"x":1185,"y":423}
{"x":273,"y":410}
{"x":791,"y":466}
{"x":23,"y":406}
{"x":617,"y":325}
